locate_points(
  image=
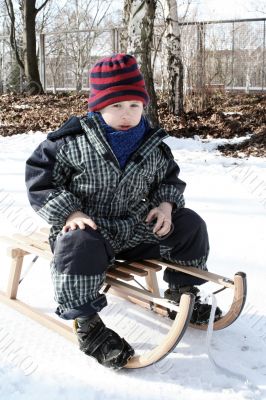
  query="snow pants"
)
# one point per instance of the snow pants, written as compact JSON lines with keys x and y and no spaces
{"x":82,"y":257}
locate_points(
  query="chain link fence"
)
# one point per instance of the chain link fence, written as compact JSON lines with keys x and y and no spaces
{"x":227,"y":55}
{"x":66,"y":58}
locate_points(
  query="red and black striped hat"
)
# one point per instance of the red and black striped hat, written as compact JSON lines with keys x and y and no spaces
{"x":114,"y":79}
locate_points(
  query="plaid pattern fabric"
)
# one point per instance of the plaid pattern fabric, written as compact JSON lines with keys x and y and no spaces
{"x":78,"y":171}
{"x":73,"y":291}
{"x":87,"y":177}
{"x":166,"y":254}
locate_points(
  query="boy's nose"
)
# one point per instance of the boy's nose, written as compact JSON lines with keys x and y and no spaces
{"x":125,"y":113}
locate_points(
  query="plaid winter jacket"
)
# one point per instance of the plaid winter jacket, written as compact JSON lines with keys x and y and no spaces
{"x":75,"y":169}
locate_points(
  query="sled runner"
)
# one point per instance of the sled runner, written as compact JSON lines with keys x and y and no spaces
{"x":122,"y":281}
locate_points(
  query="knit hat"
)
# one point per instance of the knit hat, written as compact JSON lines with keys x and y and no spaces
{"x":114,"y":79}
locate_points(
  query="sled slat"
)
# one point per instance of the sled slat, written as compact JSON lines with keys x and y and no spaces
{"x":45,"y":230}
{"x":40,"y":236}
{"x":119,"y":275}
{"x":33,"y":240}
{"x":34,"y":250}
{"x":147,"y":266}
{"x":29,"y":245}
{"x":119,"y":266}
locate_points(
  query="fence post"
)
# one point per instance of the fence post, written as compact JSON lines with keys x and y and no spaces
{"x":115,"y":40}
{"x":233,"y":56}
{"x":42,"y":61}
{"x":200,"y":55}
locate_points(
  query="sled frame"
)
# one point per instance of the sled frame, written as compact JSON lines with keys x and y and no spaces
{"x":121,"y":281}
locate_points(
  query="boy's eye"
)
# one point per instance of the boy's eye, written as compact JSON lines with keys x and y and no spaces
{"x":135,"y":105}
{"x":116,"y":105}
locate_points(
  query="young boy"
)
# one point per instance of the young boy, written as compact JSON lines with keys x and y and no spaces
{"x":109,"y":186}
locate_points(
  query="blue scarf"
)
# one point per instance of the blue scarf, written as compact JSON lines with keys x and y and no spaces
{"x":124,"y":143}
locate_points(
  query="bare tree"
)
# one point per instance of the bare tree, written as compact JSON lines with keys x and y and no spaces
{"x":28,"y":60}
{"x":45,"y":17}
{"x":81,"y":45}
{"x":140,"y":15}
{"x":54,"y":61}
{"x":13,"y":38}
{"x":79,"y":23}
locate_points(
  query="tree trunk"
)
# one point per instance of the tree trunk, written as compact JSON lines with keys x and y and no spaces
{"x":174,"y":63}
{"x":140,"y":35}
{"x":200,"y":82}
{"x":34,"y":85}
{"x":123,"y":38}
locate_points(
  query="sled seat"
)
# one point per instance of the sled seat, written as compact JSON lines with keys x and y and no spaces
{"x":123,"y":280}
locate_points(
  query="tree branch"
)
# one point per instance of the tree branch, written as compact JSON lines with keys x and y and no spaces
{"x":13,"y":41}
{"x":41,"y":7}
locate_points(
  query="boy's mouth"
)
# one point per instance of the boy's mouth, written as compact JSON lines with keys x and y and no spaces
{"x":124,"y":127}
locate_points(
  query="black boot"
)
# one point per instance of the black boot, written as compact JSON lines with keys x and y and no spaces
{"x":102,"y":343}
{"x":201,"y":312}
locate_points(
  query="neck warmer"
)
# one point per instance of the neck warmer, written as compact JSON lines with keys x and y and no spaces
{"x":124,"y":143}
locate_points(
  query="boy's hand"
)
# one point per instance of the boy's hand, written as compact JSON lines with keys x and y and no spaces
{"x":78,"y":220}
{"x":163,"y":214}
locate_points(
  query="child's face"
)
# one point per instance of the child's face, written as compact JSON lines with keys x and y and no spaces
{"x":123,"y":115}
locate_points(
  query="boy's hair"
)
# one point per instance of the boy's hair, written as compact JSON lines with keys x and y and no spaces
{"x":114,"y":79}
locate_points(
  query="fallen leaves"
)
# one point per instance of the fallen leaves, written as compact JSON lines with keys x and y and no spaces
{"x":20,"y":113}
{"x":227,"y":116}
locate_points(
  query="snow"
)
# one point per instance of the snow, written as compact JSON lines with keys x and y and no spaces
{"x":36,"y":363}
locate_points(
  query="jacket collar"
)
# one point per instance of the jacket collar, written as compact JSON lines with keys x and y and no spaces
{"x":95,"y":134}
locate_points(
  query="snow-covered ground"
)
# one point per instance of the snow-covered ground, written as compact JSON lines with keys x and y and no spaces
{"x":36,"y":363}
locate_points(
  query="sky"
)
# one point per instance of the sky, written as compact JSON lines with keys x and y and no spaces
{"x":227,"y":9}
{"x":211,"y":9}
{"x":218,"y":9}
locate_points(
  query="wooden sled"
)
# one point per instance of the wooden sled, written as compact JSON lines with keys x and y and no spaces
{"x":121,"y":281}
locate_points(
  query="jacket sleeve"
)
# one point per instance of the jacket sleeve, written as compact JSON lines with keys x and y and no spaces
{"x":168,"y":187}
{"x":47,"y":175}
